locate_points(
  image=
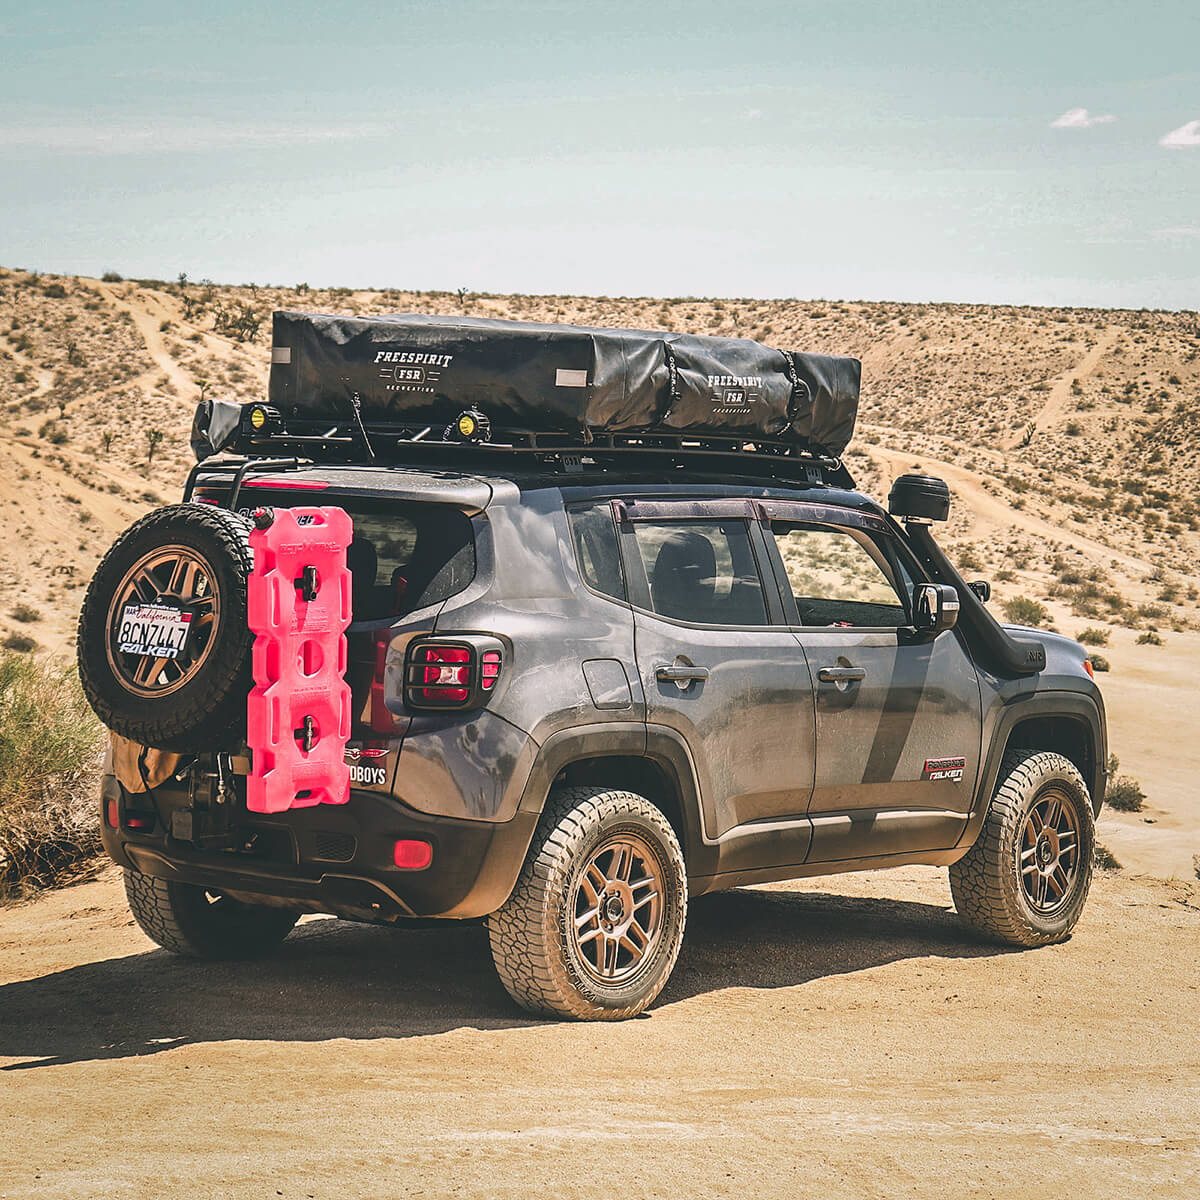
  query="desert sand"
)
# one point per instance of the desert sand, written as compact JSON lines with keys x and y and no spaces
{"x":845,"y":1038}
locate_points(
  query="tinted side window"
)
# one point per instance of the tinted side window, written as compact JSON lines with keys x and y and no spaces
{"x":702,"y":571}
{"x":596,"y":551}
{"x":841,"y":576}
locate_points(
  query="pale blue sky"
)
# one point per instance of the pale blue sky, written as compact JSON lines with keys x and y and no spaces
{"x":871,"y":150}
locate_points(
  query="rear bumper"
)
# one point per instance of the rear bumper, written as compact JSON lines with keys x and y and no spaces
{"x":332,"y":858}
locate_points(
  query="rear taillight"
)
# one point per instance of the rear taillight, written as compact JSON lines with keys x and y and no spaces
{"x":445,"y":674}
{"x":381,"y":719}
{"x":489,"y":669}
{"x":441,"y":675}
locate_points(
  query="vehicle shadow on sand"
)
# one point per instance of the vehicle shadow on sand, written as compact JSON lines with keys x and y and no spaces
{"x":333,"y":979}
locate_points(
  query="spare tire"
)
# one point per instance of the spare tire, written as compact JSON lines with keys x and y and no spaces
{"x":164,"y":646}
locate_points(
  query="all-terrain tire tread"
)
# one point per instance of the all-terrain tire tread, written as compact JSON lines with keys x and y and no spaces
{"x":170,"y":915}
{"x":522,"y":932}
{"x":984,"y":882}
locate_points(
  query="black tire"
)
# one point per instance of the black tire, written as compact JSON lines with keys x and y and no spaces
{"x":546,"y":959}
{"x":1021,"y":883}
{"x":204,"y":708}
{"x":187,"y":920}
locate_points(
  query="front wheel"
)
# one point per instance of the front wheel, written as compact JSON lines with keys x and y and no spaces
{"x":594,"y":925}
{"x":1026,"y":878}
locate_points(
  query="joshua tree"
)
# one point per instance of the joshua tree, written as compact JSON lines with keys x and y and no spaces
{"x":107,"y":436}
{"x":153,"y":438}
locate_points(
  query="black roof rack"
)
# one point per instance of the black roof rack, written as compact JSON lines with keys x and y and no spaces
{"x":523,"y":449}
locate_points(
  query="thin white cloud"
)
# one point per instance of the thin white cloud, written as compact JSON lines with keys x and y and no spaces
{"x":753,"y":114}
{"x":1080,"y":118}
{"x":1182,"y":138}
{"x":116,"y":138}
{"x":1179,"y":231}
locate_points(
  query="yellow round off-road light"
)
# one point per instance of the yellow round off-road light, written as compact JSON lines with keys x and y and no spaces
{"x":258,"y":417}
{"x":467,"y":425}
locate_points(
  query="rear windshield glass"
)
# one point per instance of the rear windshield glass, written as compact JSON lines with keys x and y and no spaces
{"x":404,"y":556}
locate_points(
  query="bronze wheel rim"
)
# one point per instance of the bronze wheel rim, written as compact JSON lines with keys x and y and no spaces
{"x":1048,"y":853}
{"x":180,"y":577}
{"x":617,"y":909}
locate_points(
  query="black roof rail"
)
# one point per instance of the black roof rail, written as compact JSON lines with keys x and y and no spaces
{"x":236,"y":470}
{"x":411,"y":444}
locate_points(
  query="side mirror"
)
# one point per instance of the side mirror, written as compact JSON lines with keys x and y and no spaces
{"x":935,"y":608}
{"x":982,"y":589}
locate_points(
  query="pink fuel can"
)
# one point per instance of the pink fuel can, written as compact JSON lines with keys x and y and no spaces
{"x":298,"y":713}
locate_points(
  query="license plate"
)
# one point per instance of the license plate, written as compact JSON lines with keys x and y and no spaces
{"x":153,"y":630}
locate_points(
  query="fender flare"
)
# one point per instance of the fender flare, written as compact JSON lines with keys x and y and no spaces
{"x":662,"y":746}
{"x":1074,"y":706}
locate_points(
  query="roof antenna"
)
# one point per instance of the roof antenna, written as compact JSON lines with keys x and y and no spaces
{"x":356,"y":408}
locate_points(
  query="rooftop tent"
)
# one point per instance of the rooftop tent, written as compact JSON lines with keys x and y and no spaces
{"x":415,"y":368}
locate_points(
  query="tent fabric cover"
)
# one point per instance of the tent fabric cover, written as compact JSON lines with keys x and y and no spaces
{"x":558,"y":378}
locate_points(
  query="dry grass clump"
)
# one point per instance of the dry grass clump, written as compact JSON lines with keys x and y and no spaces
{"x":49,"y":766}
{"x":1123,"y":793}
{"x":1023,"y":611}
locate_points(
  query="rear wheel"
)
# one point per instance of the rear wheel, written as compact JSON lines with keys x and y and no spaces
{"x":1026,"y":878}
{"x":189,"y":920}
{"x":594,"y":925}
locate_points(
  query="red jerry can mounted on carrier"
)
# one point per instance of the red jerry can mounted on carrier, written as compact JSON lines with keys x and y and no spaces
{"x":298,"y":605}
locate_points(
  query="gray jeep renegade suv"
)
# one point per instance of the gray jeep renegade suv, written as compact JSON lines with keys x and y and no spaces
{"x":660,"y":686}
{"x":590,"y":677}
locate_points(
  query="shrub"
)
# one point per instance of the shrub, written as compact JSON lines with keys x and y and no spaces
{"x":1124,"y":794}
{"x":19,"y":642}
{"x":1106,"y":860}
{"x":1024,"y":611}
{"x":54,"y":433}
{"x":25,"y":613}
{"x":112,"y":277}
{"x":1099,"y":662}
{"x":1149,"y":638}
{"x":49,"y":761}
{"x":1093,"y":637}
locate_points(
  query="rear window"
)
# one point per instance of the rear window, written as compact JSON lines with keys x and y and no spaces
{"x":596,"y":551}
{"x":405,"y":555}
{"x":702,"y":571}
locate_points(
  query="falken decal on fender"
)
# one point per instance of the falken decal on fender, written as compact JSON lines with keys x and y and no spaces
{"x":944,"y":768}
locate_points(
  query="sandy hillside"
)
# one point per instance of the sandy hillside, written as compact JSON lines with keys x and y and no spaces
{"x":843,"y":1038}
{"x":1071,"y":439}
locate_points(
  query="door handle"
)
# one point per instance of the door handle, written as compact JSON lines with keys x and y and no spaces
{"x":841,"y":674}
{"x":682,"y":675}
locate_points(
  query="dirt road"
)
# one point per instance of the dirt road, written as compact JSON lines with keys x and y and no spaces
{"x":823,"y":1041}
